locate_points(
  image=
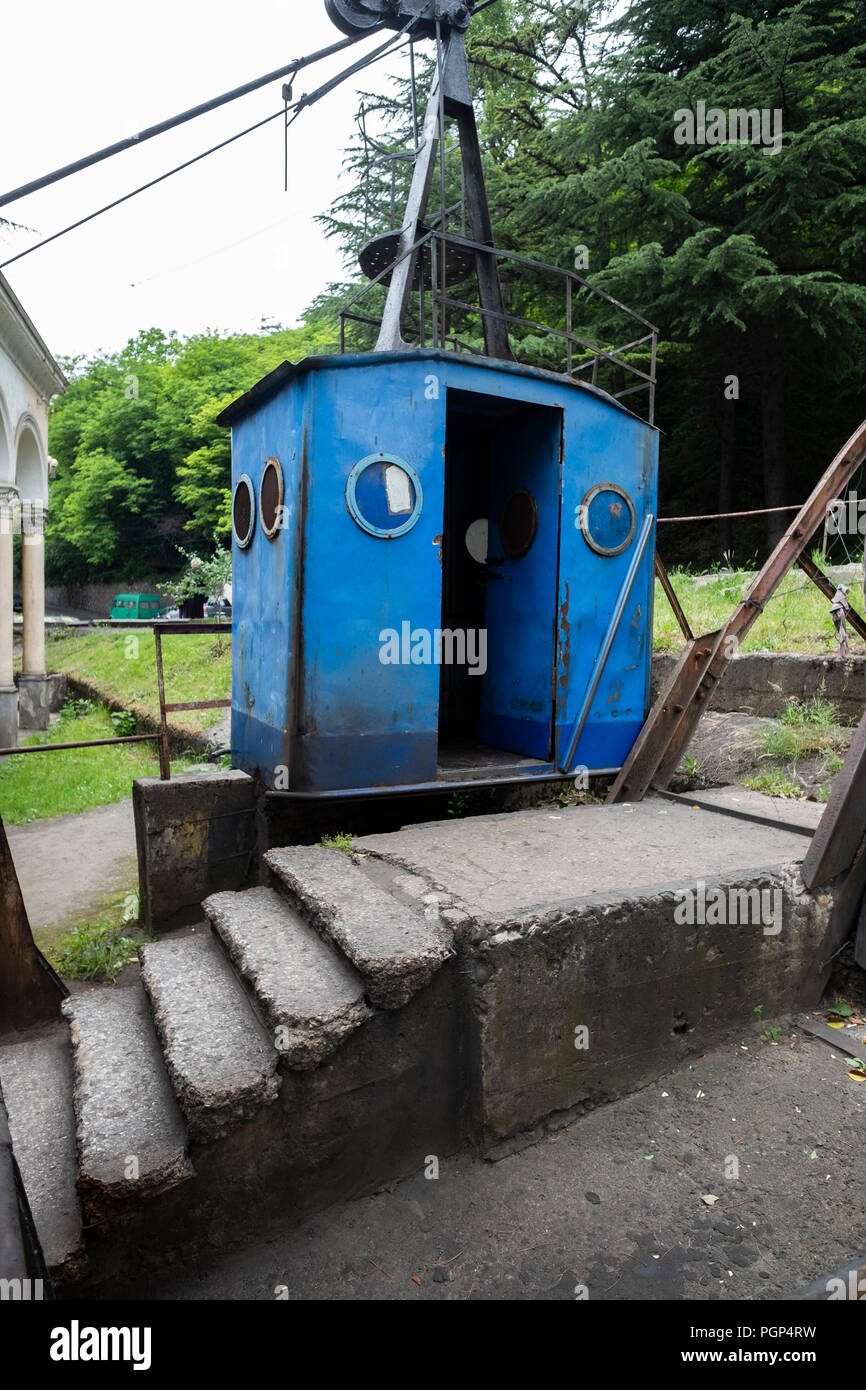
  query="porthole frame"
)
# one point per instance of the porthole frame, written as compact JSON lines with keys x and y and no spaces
{"x":243,"y":542}
{"x":272,"y":532}
{"x":380,"y":533}
{"x":518,"y":492}
{"x":583,"y":517}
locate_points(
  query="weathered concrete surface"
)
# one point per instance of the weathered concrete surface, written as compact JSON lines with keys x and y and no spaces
{"x":611,"y":1201}
{"x":586,"y":983}
{"x":36,"y":1077}
{"x":392,"y":1094}
{"x":542,"y":861}
{"x":221,"y":1061}
{"x":761,"y":683}
{"x":195,"y":836}
{"x":785,"y":812}
{"x":9,"y":716}
{"x":71,"y":868}
{"x":396,"y":947}
{"x":34,"y":702}
{"x":645,"y":990}
{"x":131,"y":1138}
{"x":305,"y":989}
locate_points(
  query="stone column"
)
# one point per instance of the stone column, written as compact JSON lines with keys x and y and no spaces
{"x":33,"y":684}
{"x":8,"y":692}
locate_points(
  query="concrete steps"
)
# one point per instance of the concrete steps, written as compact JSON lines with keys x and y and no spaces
{"x":221,"y":1061}
{"x":295,"y":987}
{"x":36,"y":1077}
{"x":131,"y":1139}
{"x":310,"y":997}
{"x":395,"y":947}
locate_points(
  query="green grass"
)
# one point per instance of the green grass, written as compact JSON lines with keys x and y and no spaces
{"x":122,"y":667}
{"x":805,"y":727}
{"x":774,"y":784}
{"x":344,"y":842}
{"x":93,"y":951}
{"x":797,"y":618}
{"x":54,"y":784}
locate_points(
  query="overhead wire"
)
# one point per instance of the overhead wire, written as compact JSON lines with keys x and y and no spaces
{"x":132,"y":141}
{"x":391,"y":45}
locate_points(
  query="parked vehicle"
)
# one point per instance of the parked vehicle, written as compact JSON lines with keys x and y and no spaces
{"x":218,"y":608}
{"x":17,"y":605}
{"x":136,"y":607}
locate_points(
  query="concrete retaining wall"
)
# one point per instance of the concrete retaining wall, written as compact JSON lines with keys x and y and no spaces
{"x":97,"y":598}
{"x":195,"y":836}
{"x":649,"y":992}
{"x":761,"y":683}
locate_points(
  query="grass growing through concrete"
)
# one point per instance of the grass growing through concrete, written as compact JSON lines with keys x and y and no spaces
{"x":54,"y":784}
{"x":807,"y":730}
{"x":122,"y":667}
{"x":98,"y":951}
{"x":93,"y":951}
{"x":346,"y":843}
{"x":797,"y":618}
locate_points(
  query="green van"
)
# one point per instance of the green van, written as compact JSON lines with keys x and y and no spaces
{"x":136,"y":607}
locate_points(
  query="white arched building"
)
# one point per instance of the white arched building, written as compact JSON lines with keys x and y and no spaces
{"x":29,"y":377}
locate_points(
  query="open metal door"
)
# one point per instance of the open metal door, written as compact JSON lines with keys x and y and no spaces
{"x":522,"y":562}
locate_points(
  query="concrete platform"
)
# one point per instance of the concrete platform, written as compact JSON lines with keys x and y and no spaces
{"x":782,"y":812}
{"x":607,"y":943}
{"x":506,"y":867}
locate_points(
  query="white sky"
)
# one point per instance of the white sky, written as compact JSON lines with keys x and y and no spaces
{"x":80,"y":76}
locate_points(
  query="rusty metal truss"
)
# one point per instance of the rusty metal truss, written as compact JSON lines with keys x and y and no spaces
{"x":674,"y":717}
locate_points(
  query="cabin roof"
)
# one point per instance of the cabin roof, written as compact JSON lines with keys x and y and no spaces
{"x":270,"y":385}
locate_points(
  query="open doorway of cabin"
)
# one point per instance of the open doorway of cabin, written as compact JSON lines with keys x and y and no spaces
{"x":500,"y":562}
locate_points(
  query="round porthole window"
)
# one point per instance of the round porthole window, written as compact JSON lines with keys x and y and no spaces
{"x":384,"y":496}
{"x":244,"y":511}
{"x":271,"y":498}
{"x":518,"y":525}
{"x":608,"y":519}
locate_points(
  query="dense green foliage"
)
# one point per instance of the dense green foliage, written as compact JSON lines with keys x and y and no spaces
{"x":751,"y":260}
{"x":143,"y":467}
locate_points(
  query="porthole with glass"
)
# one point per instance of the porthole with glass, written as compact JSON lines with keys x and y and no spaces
{"x":244,"y":511}
{"x":384,"y":496}
{"x":518,"y":524}
{"x":608,"y":519}
{"x":271,"y":498}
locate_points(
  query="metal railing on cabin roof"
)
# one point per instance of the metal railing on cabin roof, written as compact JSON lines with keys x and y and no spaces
{"x":445,"y":321}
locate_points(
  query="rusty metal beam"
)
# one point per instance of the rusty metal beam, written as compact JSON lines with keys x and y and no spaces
{"x":828,"y":588}
{"x":30,"y":992}
{"x":670,"y":594}
{"x":675,"y":716}
{"x":667,"y":725}
{"x":84,"y":743}
{"x":164,"y":756}
{"x":198,"y":704}
{"x":841,"y":828}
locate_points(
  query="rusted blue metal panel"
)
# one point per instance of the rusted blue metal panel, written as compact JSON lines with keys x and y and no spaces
{"x":336,"y":682}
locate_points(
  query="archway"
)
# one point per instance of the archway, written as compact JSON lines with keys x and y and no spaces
{"x":31,"y":469}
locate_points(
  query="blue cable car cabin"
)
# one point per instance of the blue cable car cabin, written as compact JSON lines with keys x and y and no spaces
{"x":443,"y":571}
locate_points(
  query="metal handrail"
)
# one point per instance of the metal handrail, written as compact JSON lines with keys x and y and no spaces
{"x":606,"y":643}
{"x":575,"y":283}
{"x":160,"y":736}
